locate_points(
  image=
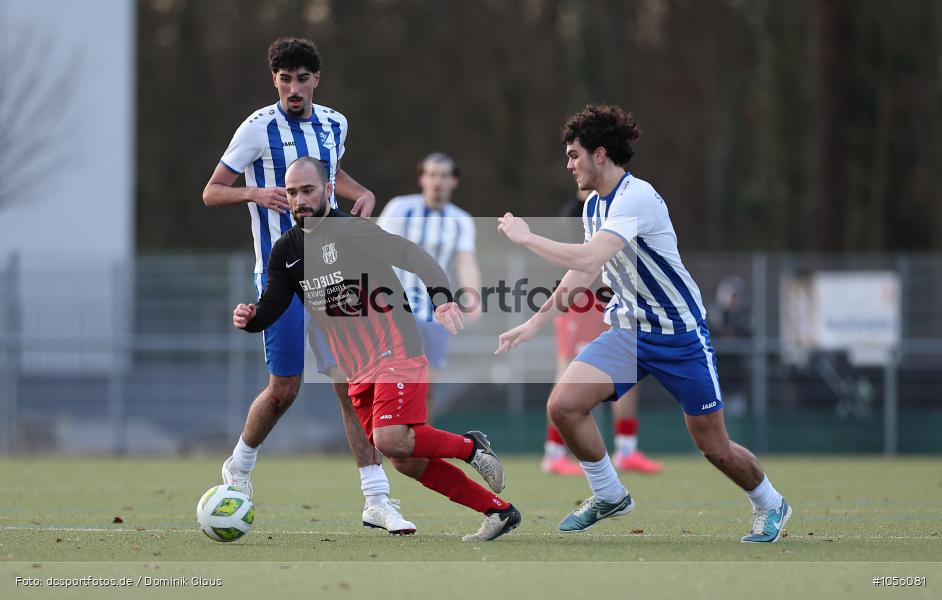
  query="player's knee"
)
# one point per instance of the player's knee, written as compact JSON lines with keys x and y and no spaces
{"x":391,"y":443}
{"x":715,"y":451}
{"x":282,"y":393}
{"x":559,"y":410}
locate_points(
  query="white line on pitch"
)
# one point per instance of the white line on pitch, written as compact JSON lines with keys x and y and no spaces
{"x":796,"y":536}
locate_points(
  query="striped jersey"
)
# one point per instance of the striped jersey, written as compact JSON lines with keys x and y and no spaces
{"x":263,"y":147}
{"x":441,"y":232}
{"x":651,"y":288}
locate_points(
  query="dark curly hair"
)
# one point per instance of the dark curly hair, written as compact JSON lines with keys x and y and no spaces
{"x":293,"y":53}
{"x":606,"y":126}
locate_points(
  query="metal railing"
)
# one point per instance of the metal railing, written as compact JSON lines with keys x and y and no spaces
{"x":146,"y":359}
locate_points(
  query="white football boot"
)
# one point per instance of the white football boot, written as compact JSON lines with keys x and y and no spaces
{"x":387,"y":516}
{"x":239,"y":479}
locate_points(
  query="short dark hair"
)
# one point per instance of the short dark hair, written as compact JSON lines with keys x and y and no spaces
{"x":439,"y":157}
{"x":288,"y":54}
{"x":318,"y":165}
{"x":605,"y":126}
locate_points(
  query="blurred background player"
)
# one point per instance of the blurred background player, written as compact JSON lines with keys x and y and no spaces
{"x":262,"y":147}
{"x":433,"y":222}
{"x":574,"y":329}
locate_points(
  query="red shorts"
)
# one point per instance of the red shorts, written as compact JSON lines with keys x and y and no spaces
{"x":394,"y":395}
{"x":576,"y":329}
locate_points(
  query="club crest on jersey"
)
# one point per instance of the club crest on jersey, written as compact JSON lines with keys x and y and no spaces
{"x":329,"y":253}
{"x":326,"y":140}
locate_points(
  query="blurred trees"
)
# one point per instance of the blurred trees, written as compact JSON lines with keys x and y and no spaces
{"x":808,"y":125}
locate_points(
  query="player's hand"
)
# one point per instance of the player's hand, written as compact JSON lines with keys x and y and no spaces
{"x":449,"y":316}
{"x":515,"y":228}
{"x":516,"y":336}
{"x":274,"y":198}
{"x":242,"y":315}
{"x":363,"y":207}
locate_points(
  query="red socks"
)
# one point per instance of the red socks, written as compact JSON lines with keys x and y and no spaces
{"x":435,"y":443}
{"x":552,"y":435}
{"x":626,"y":426}
{"x":448,"y":480}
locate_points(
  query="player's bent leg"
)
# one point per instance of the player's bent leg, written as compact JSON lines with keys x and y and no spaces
{"x":500,"y":516}
{"x":395,"y":441}
{"x":580,"y":389}
{"x":379,"y":510}
{"x":708,"y":432}
{"x":363,"y":452}
{"x":268,"y":407}
{"x":265,"y":411}
{"x":770,"y":510}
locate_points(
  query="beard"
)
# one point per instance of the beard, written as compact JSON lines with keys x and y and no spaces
{"x":299,"y":112}
{"x":302,"y":212}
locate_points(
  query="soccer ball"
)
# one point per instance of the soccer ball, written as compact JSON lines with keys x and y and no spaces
{"x":224,"y":513}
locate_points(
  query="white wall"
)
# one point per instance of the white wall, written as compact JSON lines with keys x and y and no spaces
{"x":70,"y":151}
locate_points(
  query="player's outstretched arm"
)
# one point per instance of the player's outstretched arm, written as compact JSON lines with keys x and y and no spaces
{"x":397,"y":251}
{"x":363,"y":199}
{"x":279,"y":290}
{"x":572,"y":283}
{"x":588,"y":257}
{"x":219,"y":191}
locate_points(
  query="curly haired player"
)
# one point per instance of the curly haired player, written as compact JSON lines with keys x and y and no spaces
{"x":657,"y":318}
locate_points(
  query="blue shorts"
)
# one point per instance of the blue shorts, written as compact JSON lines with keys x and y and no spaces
{"x":284,"y":340}
{"x":684,"y":363}
{"x":434,"y":342}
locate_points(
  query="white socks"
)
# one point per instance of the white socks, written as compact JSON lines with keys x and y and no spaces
{"x":243,"y":456}
{"x":374,"y":484}
{"x":626,"y":444}
{"x":603,"y":480}
{"x":765,"y":497}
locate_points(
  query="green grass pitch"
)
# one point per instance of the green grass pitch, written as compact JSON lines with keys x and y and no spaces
{"x":854,"y":519}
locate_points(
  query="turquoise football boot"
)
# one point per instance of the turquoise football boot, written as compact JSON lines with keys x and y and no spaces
{"x":594,"y":510}
{"x":768,"y":525}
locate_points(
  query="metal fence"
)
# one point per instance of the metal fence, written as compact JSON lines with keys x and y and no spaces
{"x":140,"y":357}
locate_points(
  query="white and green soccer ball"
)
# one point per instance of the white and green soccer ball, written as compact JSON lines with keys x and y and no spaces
{"x":224,"y":513}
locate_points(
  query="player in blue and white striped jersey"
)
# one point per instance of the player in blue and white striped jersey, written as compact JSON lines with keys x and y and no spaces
{"x":269,"y":140}
{"x":431,"y":220}
{"x":657,"y":320}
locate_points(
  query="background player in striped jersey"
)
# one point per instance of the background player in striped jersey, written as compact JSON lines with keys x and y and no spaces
{"x":445,"y":231}
{"x":574,"y":330}
{"x":657,"y":318}
{"x":342,"y":269}
{"x":262,"y":147}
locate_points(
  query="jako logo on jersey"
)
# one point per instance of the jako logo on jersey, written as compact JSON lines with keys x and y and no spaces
{"x":321,"y":282}
{"x":286,"y":144}
{"x":384,"y":417}
{"x":710,"y":405}
{"x":330,"y":253}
